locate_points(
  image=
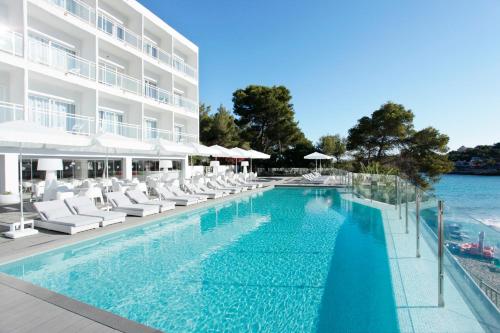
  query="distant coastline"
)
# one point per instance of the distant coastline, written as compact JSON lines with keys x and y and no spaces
{"x":476,"y":172}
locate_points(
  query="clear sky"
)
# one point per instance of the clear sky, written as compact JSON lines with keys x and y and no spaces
{"x":343,"y":59}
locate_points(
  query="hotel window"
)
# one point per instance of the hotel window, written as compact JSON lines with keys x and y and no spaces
{"x":111,"y":121}
{"x":151,"y":126}
{"x":150,"y":48}
{"x":179,"y":63}
{"x":53,"y":112}
{"x":179,"y":130}
{"x":109,"y":73}
{"x":48,"y":51}
{"x":151,"y":88}
{"x":105,"y":24}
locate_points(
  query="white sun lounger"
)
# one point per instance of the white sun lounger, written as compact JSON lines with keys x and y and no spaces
{"x":137,"y":196}
{"x":85,"y":207}
{"x":193,"y":189}
{"x":122,"y":203}
{"x":55,"y":215}
{"x":179,"y":200}
{"x":177,"y":191}
{"x":216,"y":186}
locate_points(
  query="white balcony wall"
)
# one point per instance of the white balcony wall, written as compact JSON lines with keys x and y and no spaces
{"x":11,"y":85}
{"x":11,"y":15}
{"x":163,"y":120}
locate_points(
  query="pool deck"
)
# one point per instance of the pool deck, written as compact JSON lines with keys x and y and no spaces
{"x":25,"y":307}
{"x":415,"y":281}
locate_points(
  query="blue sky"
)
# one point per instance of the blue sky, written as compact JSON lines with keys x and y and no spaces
{"x":343,"y":59}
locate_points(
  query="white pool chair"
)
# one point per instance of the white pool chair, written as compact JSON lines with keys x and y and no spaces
{"x":122,"y":203}
{"x":165,"y":194}
{"x":176,"y":190}
{"x":215,"y":186}
{"x":193,"y":189}
{"x":137,"y":196}
{"x":55,"y":215}
{"x":85,"y":207}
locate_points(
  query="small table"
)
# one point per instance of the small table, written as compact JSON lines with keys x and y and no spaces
{"x":15,"y":229}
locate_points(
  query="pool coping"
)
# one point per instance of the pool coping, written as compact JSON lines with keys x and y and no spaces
{"x":73,"y":306}
{"x":453,"y":288}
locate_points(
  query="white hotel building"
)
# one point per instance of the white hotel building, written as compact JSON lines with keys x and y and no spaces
{"x":90,"y":66}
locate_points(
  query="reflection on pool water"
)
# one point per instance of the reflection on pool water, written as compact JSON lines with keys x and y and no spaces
{"x":286,"y":260}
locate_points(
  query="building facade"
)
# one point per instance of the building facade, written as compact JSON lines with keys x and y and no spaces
{"x":89,"y":66}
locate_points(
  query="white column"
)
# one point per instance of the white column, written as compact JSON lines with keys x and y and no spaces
{"x":81,"y":169}
{"x":9,"y":173}
{"x":127,"y":168}
{"x":185,"y":172}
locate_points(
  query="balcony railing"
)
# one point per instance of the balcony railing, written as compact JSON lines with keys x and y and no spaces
{"x":118,"y":80}
{"x":157,"y":94}
{"x":185,"y":138}
{"x":119,"y":32}
{"x":71,"y":123}
{"x":156,"y":133}
{"x":157,"y":53}
{"x":11,"y":112}
{"x":120,"y":128}
{"x":77,"y":9}
{"x":185,"y":103}
{"x":61,"y":60}
{"x":11,"y":42}
{"x":184,"y":68}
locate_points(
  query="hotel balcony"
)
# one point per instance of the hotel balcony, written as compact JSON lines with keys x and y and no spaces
{"x":158,"y":94}
{"x":77,"y":9}
{"x":156,"y":133}
{"x":56,"y":58}
{"x":120,"y":128}
{"x":11,"y":42}
{"x":185,"y":138}
{"x":11,"y":112}
{"x":112,"y":78}
{"x":71,"y":123}
{"x":185,"y":104}
{"x":119,"y":32}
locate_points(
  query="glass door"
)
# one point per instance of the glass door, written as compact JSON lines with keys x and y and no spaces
{"x":150,"y":126}
{"x":111,"y":121}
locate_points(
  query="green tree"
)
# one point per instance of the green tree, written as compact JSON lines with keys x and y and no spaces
{"x":267,"y":119}
{"x":373,"y":137}
{"x":206,"y":122}
{"x":423,"y":156}
{"x":333,"y":145}
{"x":388,"y":137}
{"x":224,"y":131}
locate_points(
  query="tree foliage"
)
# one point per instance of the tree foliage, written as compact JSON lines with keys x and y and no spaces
{"x":266,"y":118}
{"x":219,"y":128}
{"x":388,"y":137}
{"x":333,"y":145}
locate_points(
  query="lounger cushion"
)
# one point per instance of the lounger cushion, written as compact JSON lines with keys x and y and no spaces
{"x":76,"y":220}
{"x":105,"y":215}
{"x":137,"y":196}
{"x":120,"y":200}
{"x":81,"y":205}
{"x":52,"y":209}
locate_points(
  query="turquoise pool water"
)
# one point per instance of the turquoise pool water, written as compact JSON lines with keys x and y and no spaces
{"x":286,"y":260}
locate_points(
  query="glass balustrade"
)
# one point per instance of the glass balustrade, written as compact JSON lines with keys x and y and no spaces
{"x":11,"y":42}
{"x":76,"y":8}
{"x":11,"y":111}
{"x":69,"y":122}
{"x":120,"y":128}
{"x":112,"y":78}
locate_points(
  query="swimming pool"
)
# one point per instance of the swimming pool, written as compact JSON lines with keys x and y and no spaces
{"x":286,"y":260}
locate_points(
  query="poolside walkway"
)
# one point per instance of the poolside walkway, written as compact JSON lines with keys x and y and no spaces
{"x":415,"y":281}
{"x":26,"y":308}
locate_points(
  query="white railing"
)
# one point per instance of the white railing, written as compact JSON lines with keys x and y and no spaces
{"x":71,"y":123}
{"x":158,"y":94}
{"x":185,"y":103}
{"x":118,"y":32}
{"x":11,"y":42}
{"x":186,"y":138}
{"x":156,"y":53}
{"x":120,"y":128}
{"x":156,"y":133}
{"x":77,"y":9}
{"x":61,"y":60}
{"x":184,"y":68}
{"x":118,"y":80}
{"x":11,"y":112}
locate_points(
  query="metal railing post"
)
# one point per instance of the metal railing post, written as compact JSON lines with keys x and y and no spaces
{"x":417,"y":220}
{"x":440,"y":253}
{"x":371,"y":188}
{"x":400,"y":199}
{"x":397,"y":192}
{"x":406,"y":207}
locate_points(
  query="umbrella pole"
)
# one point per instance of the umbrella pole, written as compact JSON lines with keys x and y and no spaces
{"x":21,"y":203}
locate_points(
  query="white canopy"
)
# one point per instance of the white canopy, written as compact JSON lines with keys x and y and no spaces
{"x":318,"y":156}
{"x":257,"y":155}
{"x":172,"y":148}
{"x":202,"y":150}
{"x":221,"y":151}
{"x":240,"y":153}
{"x":118,"y":143}
{"x":32,"y":135}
